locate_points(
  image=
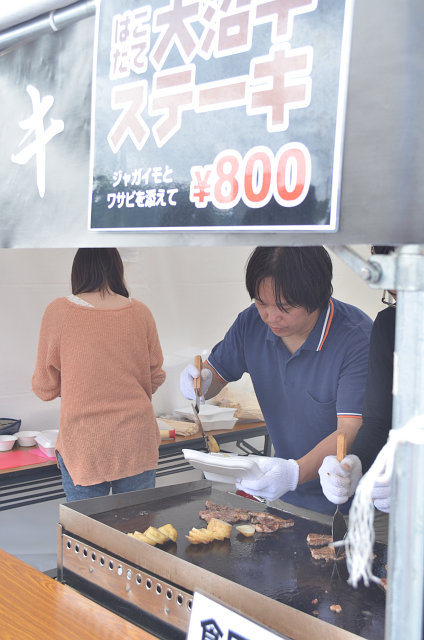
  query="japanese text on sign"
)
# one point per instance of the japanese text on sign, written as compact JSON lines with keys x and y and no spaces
{"x":273,"y":84}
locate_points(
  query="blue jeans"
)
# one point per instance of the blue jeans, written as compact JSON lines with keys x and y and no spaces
{"x":145,"y":480}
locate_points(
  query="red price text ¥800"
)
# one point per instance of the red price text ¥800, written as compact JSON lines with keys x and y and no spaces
{"x":255,"y":179}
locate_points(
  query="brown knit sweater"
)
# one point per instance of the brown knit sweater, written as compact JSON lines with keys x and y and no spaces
{"x":105,"y":364}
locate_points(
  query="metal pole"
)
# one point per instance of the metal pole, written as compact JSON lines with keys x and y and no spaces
{"x":403,"y":271}
{"x":404,"y":608}
{"x":47,"y":23}
{"x":369,"y":271}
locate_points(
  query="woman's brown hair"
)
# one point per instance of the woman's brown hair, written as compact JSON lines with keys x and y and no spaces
{"x":98,"y":270}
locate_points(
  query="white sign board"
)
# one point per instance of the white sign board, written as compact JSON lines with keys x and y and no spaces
{"x":210,"y":620}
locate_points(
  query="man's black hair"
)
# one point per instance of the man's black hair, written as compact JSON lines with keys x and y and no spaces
{"x":301,"y":275}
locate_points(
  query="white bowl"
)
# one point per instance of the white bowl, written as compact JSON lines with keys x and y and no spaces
{"x":27,"y":438}
{"x":7,"y":442}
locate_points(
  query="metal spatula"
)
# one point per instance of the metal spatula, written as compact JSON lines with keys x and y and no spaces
{"x":339,"y":524}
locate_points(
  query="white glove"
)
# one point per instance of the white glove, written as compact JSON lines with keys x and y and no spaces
{"x":340,"y":479}
{"x":187,"y":377}
{"x":279,"y":476}
{"x":381,"y":494}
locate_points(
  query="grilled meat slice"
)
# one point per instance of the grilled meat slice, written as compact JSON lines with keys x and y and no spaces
{"x":267,"y":523}
{"x":243,"y":513}
{"x":318,"y":539}
{"x":224,"y":512}
{"x":327,"y":553}
{"x":264,"y":522}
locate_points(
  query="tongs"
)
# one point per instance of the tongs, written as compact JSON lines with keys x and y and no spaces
{"x":211,"y":444}
{"x":339,"y":527}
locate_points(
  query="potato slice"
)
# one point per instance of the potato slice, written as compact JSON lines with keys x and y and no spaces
{"x":194,"y":541}
{"x":208,"y":535}
{"x":219,"y":528}
{"x":156,"y":535}
{"x":140,"y":536}
{"x":218,"y":536}
{"x":213,"y":445}
{"x":247,"y":530}
{"x":203,"y":535}
{"x":169,"y":531}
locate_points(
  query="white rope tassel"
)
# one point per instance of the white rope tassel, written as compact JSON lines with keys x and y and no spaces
{"x":359,"y":541}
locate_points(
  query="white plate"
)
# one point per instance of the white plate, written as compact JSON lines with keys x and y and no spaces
{"x":222,"y":467}
{"x":208,"y":413}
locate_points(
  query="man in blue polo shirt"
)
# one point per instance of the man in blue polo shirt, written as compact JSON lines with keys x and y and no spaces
{"x":307,"y":356}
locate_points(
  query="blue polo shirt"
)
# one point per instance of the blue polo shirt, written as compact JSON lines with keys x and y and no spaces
{"x":302,"y":394}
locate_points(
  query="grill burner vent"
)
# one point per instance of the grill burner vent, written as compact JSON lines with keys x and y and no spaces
{"x":128,"y":582}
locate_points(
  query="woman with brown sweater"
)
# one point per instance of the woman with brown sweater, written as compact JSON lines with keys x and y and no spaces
{"x":99,"y":351}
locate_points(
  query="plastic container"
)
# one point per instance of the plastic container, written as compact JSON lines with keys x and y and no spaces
{"x":223,"y":467}
{"x":9,"y":426}
{"x":27,"y":438}
{"x":213,"y":425}
{"x":212,"y":417}
{"x":46,"y":441}
{"x":7,"y":441}
{"x":208,"y":413}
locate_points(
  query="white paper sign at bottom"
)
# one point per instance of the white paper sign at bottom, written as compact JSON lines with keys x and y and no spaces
{"x":210,"y":620}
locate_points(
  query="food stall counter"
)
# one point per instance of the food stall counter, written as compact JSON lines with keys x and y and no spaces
{"x":33,"y":605}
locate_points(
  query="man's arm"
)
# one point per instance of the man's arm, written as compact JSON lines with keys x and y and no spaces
{"x":217,"y":383}
{"x":311,"y":462}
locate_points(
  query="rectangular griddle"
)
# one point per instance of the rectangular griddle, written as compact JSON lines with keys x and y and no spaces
{"x":270,"y":578}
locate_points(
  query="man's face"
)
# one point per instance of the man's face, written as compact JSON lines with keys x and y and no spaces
{"x":292,"y":321}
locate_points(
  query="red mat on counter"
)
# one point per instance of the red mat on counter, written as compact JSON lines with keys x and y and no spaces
{"x":40,"y":454}
{"x":10,"y":459}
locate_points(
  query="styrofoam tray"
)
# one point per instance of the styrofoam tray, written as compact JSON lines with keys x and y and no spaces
{"x":222,"y":467}
{"x":218,"y":424}
{"x":46,"y":441}
{"x":208,"y":413}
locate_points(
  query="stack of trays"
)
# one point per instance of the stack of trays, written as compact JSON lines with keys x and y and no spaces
{"x":46,"y":441}
{"x":212,"y":417}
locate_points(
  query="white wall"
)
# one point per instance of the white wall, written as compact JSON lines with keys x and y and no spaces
{"x":193,"y":293}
